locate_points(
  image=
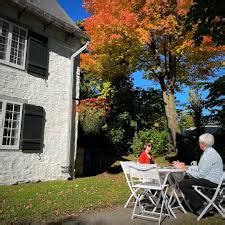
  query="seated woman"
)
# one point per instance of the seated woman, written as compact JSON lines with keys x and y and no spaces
{"x":146,"y":156}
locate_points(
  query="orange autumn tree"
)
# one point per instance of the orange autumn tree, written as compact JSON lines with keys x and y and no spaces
{"x":148,"y":35}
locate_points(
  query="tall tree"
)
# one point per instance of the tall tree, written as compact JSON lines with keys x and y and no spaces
{"x":128,"y":35}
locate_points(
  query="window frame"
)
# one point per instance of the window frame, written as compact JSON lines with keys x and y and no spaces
{"x":9,"y":44}
{"x":10,"y":147}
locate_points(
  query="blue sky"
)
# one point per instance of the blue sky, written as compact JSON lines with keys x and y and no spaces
{"x":76,"y":12}
{"x":74,"y":9}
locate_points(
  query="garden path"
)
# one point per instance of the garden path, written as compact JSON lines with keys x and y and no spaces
{"x":121,"y":216}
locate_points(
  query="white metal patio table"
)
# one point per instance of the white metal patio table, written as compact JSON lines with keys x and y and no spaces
{"x":174,"y":177}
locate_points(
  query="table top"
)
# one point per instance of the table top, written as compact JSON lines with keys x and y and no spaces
{"x":170,"y":170}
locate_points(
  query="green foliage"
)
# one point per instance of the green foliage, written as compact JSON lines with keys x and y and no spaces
{"x":106,"y":89}
{"x":150,"y":109}
{"x":120,"y":130}
{"x":216,"y":99}
{"x":116,"y":136}
{"x":157,"y":138}
{"x":91,"y":120}
{"x":92,"y":113}
{"x":88,"y":86}
{"x":186,"y":121}
{"x":207,"y":16}
{"x":131,"y":109}
{"x":132,"y":112}
{"x":196,"y":107}
{"x":216,"y":95}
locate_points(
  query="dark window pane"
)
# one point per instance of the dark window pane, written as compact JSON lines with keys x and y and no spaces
{"x":9,"y":107}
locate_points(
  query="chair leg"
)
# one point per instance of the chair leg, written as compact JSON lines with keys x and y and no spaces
{"x":163,"y":203}
{"x":170,"y":212}
{"x":221,"y":201}
{"x":186,"y":203}
{"x":169,"y":206}
{"x":135,"y":206}
{"x":221,"y":211}
{"x":210,"y":203}
{"x":157,"y":202}
{"x":131,"y":196}
{"x":204,"y":211}
{"x":151,"y":197}
{"x":172,"y":200}
{"x":178,"y":200}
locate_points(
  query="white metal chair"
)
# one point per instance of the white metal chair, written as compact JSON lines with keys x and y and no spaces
{"x":217,"y":199}
{"x":151,"y":187}
{"x":126,"y":170}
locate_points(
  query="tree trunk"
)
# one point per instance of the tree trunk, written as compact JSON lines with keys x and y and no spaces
{"x":171,"y":114}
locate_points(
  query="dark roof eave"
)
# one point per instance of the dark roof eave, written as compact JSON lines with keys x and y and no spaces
{"x":51,"y":19}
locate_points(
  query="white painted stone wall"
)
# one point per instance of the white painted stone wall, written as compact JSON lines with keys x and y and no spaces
{"x":53,"y":94}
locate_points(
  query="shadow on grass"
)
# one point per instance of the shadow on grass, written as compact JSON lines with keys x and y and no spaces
{"x":115,"y":169}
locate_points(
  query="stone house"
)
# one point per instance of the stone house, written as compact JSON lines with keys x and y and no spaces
{"x":39,"y":81}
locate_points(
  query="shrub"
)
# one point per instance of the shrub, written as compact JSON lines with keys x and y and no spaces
{"x":91,"y":120}
{"x":158,"y":139}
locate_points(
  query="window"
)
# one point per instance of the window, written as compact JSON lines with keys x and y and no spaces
{"x":21,"y":126}
{"x":10,"y":123}
{"x":13,"y":42}
{"x":17,"y":42}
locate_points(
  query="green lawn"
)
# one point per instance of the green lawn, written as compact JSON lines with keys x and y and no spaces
{"x":49,"y":200}
{"x":55,"y":200}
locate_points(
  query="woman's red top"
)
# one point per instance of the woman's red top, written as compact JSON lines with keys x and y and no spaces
{"x":143,"y":158}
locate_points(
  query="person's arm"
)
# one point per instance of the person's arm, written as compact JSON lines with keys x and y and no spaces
{"x":153,"y":159}
{"x":204,"y":166}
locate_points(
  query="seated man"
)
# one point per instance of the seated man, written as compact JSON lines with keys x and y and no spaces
{"x":207,"y":173}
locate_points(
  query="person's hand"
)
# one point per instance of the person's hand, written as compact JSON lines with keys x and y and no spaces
{"x":179,"y":165}
{"x":174,"y":163}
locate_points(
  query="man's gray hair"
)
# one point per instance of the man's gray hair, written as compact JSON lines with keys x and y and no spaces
{"x":207,"y":139}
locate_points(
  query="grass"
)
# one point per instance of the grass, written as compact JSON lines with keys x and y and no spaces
{"x":55,"y":200}
{"x":46,"y":201}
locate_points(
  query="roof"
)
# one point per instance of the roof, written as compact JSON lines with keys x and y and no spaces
{"x":53,"y":8}
{"x":52,"y":13}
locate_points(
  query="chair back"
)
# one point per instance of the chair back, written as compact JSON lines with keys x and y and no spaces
{"x":125,"y":166}
{"x":126,"y":170}
{"x":146,"y":173}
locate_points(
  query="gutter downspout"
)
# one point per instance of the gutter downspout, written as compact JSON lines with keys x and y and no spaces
{"x":71,"y":152}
